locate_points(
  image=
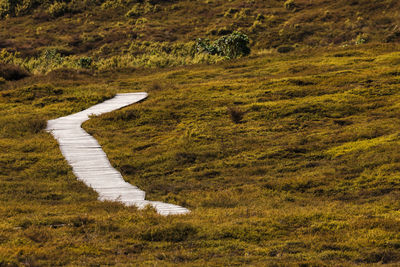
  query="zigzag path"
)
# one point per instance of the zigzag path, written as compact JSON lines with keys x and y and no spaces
{"x":89,"y":162}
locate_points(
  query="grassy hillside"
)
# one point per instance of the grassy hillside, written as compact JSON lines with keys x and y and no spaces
{"x":118,"y":34}
{"x":283,"y":158}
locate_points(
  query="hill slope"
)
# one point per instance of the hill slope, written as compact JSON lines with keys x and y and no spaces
{"x":308,"y":175}
{"x":120,"y":34}
{"x":283,"y":158}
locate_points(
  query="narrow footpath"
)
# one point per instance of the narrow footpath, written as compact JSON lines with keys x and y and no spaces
{"x":91,"y":165}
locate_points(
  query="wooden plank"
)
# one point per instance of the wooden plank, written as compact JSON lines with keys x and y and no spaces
{"x":89,"y":162}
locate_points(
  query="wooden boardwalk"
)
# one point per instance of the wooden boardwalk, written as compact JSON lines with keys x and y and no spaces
{"x":91,"y":165}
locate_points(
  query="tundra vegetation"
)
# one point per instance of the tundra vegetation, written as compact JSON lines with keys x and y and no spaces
{"x":289,"y":155}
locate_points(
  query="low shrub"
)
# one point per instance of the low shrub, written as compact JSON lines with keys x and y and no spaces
{"x":21,"y":126}
{"x":12,"y":72}
{"x":393,"y":36}
{"x":31,"y":93}
{"x":235,"y":114}
{"x":115,"y":4}
{"x":57,"y":9}
{"x":231,"y":46}
{"x":289,"y":5}
{"x":230,"y":12}
{"x":260,"y":17}
{"x":223,"y":199}
{"x":85,"y":62}
{"x":155,"y":86}
{"x":38,"y":235}
{"x":141,"y":21}
{"x":362,"y":39}
{"x":175,"y":233}
{"x":80,"y":221}
{"x":285,"y":49}
{"x":17,"y":7}
{"x":185,"y":158}
{"x":234,"y":45}
{"x":243,"y":14}
{"x":142,"y":9}
{"x":139,"y":55}
{"x":257,"y":26}
{"x":36,"y":125}
{"x":26,"y":6}
{"x":205,"y":46}
{"x":220,"y":31}
{"x":8,"y":8}
{"x":135,"y":12}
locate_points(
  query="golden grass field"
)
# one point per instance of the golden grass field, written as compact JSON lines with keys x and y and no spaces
{"x":284,"y":159}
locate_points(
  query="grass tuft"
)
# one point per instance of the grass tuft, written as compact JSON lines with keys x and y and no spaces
{"x":235,"y":114}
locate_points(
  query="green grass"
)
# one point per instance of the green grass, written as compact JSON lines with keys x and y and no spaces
{"x":309,"y":175}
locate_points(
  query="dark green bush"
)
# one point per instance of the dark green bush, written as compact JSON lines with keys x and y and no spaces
{"x":205,"y":46}
{"x":231,"y":46}
{"x":85,"y":62}
{"x":52,"y":56}
{"x":234,"y":45}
